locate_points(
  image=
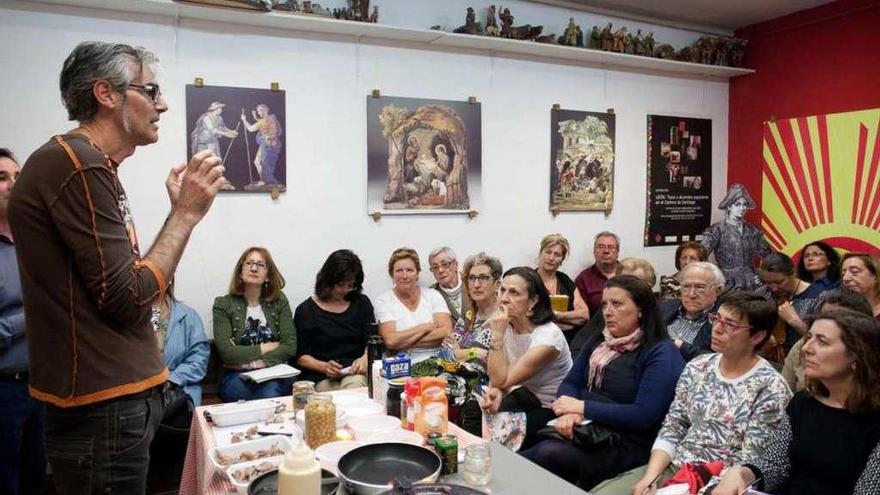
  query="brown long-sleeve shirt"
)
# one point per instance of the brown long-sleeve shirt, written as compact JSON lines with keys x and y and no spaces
{"x":87,"y":293}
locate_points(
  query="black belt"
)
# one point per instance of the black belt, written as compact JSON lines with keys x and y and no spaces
{"x":143,"y":394}
{"x":18,"y":376}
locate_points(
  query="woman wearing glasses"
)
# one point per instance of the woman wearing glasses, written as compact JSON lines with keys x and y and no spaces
{"x":332,"y":326}
{"x":411,"y":318}
{"x":829,"y":439}
{"x":471,"y":336}
{"x":819,"y":265}
{"x":726,"y":404}
{"x":253,"y":327}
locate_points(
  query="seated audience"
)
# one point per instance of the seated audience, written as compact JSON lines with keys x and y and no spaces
{"x":726,"y":404}
{"x":793,"y":369}
{"x":639,"y":268}
{"x":444,"y":267}
{"x":623,"y":381}
{"x":861,"y":273}
{"x":553,"y":251}
{"x":411,"y":318}
{"x":819,"y":265}
{"x":687,"y":319}
{"x":591,"y":281}
{"x":528,"y":356}
{"x":332,"y":326}
{"x":184,"y":346}
{"x":827,"y":442}
{"x":795,"y":298}
{"x":687,"y":252}
{"x":253,"y":327}
{"x":471,"y":336}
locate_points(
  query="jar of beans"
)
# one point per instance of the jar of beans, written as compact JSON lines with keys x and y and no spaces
{"x":320,"y":420}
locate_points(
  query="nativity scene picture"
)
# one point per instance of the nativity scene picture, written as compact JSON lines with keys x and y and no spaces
{"x":581,"y":161}
{"x":423,"y":155}
{"x":245,"y":128}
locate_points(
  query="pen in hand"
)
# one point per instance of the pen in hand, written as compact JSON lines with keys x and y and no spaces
{"x":750,"y":486}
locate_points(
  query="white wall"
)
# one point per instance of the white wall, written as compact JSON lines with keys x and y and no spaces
{"x":327,"y":81}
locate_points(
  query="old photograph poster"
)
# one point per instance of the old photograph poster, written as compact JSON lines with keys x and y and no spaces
{"x":581,"y":160}
{"x":245,"y":128}
{"x":423,"y":155}
{"x":679,"y":179}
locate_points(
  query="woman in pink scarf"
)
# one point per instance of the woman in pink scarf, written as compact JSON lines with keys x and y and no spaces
{"x":622,"y":382}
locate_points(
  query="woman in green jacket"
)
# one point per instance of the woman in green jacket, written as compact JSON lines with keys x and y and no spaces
{"x":253,"y":327}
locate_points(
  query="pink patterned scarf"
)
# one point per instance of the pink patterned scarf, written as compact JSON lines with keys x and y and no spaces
{"x":608,"y":351}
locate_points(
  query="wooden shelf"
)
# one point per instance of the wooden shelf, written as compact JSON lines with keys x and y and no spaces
{"x":365,"y":32}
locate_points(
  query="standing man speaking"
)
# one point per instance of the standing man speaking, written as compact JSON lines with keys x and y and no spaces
{"x":87,"y":288}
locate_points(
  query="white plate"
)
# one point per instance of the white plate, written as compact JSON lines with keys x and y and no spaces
{"x":398,"y":436}
{"x":241,"y":487}
{"x":344,"y":399}
{"x":333,"y":451}
{"x":364,"y":409}
{"x":242,"y":412}
{"x":236,"y":449}
{"x":364,"y":426}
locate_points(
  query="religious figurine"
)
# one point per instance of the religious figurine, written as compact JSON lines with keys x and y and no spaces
{"x":506,"y":19}
{"x":638,"y":43}
{"x":471,"y":26}
{"x":607,"y":38}
{"x":629,"y":44}
{"x":722,"y":51}
{"x":491,"y":22}
{"x":289,"y":5}
{"x":688,"y":54}
{"x":665,"y":51}
{"x":619,"y":40}
{"x":569,"y":37}
{"x":648,"y":43}
{"x":374,"y":16}
{"x":595,"y":39}
{"x":737,"y":50}
{"x":734,"y":242}
{"x":550,"y":39}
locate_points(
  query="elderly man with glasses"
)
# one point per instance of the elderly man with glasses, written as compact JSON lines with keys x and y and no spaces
{"x":444,"y":267}
{"x":687,"y":318}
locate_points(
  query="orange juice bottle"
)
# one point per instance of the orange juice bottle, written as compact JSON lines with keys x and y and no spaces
{"x":433,"y":415}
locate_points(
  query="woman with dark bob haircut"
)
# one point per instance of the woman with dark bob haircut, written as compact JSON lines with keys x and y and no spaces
{"x":332,"y":326}
{"x":623,"y":380}
{"x":829,"y":439}
{"x":819,"y":265}
{"x":528,"y":355}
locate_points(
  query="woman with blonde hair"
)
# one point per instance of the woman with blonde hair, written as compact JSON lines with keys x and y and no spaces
{"x":411,"y":318}
{"x":253,"y":327}
{"x":552,"y":252}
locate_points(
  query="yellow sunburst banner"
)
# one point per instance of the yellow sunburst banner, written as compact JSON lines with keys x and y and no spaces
{"x":821,"y":181}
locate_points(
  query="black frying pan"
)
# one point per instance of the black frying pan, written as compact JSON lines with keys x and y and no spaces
{"x":369,"y":469}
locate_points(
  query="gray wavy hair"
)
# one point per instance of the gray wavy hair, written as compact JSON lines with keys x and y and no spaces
{"x":717,"y":274}
{"x":93,"y":61}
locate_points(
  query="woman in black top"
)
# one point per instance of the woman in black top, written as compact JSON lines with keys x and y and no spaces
{"x":553,"y":251}
{"x":333,"y":325}
{"x":828,"y":442}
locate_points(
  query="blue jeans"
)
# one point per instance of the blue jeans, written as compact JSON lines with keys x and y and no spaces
{"x":103,"y":447}
{"x":22,"y":457}
{"x":233,"y":388}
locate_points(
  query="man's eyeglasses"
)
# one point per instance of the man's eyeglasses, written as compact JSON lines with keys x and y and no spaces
{"x":483,"y":279}
{"x":727,"y":325}
{"x":150,"y":89}
{"x":441,"y":266}
{"x":698,"y":289}
{"x":255,"y":264}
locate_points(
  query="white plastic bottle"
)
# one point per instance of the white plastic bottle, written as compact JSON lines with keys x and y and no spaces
{"x":299,"y":472}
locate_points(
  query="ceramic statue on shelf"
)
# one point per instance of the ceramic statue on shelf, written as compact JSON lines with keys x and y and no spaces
{"x":471,"y":26}
{"x":492,"y":22}
{"x":595,"y":39}
{"x":619,"y":40}
{"x":570,"y":36}
{"x":607,"y":38}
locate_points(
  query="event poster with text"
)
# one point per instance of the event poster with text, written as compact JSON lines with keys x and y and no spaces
{"x":679,"y":179}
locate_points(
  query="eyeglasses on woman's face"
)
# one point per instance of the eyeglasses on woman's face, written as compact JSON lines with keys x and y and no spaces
{"x":727,"y":325}
{"x":482,"y":279}
{"x":255,"y":264}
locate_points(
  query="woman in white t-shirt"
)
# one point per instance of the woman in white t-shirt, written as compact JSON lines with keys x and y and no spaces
{"x":528,"y":355}
{"x":411,"y":318}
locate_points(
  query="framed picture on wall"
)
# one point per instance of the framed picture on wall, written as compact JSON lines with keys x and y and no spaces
{"x":245,"y":128}
{"x":581,"y":160}
{"x":679,"y":179}
{"x":423,"y":156}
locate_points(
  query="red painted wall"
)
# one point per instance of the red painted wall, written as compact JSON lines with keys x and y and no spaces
{"x":817,"y":61}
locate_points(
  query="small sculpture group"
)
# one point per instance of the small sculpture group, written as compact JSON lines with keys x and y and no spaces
{"x":706,"y":50}
{"x":357,"y":10}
